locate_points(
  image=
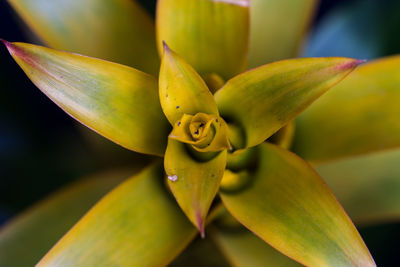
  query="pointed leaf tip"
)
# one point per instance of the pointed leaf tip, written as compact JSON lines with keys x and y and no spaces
{"x":16,"y":50}
{"x":118,"y":102}
{"x":197,"y":183}
{"x":141,"y":221}
{"x":361,"y":61}
{"x":244,"y":3}
{"x":166,"y":47}
{"x":351,"y":64}
{"x":290,"y":207}
{"x":181,"y":88}
{"x":359,"y":116}
{"x":203,"y":234}
{"x":200,"y":224}
{"x":6,"y":43}
{"x":10,"y":47}
{"x":276,"y":93}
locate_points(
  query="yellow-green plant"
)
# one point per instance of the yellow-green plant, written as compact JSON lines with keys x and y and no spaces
{"x":223,"y":132}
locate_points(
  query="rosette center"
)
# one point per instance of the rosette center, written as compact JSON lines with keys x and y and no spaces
{"x":205,"y":132}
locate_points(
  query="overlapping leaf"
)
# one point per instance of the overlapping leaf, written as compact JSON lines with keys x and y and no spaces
{"x":27,"y":238}
{"x":115,"y":30}
{"x":211,"y":35}
{"x":185,"y":97}
{"x":194,"y":255}
{"x":137,"y":224}
{"x":284,"y":137}
{"x":289,"y":206}
{"x":181,"y":89}
{"x":368,"y":186}
{"x":360,"y":115}
{"x":243,"y":248}
{"x":194,"y":183}
{"x":277,"y":28}
{"x":264,"y":99}
{"x":119,"y":102}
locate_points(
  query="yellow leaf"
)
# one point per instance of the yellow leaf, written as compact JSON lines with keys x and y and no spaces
{"x":116,"y":101}
{"x":181,"y":89}
{"x":290,"y":207}
{"x":194,"y":183}
{"x":201,"y":253}
{"x":115,"y":30}
{"x":263,"y":100}
{"x":277,"y":28}
{"x":284,"y":137}
{"x":136,"y":224}
{"x":242,"y":248}
{"x":360,"y":115}
{"x":212,"y":35}
{"x":27,"y":238}
{"x":206,"y":133}
{"x":368,"y":186}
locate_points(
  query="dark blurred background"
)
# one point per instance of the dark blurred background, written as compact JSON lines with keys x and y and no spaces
{"x":42,"y":148}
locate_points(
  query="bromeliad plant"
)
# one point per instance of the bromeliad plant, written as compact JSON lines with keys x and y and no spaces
{"x":211,"y":133}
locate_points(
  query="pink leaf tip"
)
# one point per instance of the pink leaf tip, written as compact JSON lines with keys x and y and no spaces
{"x":202,"y":233}
{"x":166,"y":47}
{"x":351,"y":64}
{"x":243,"y":3}
{"x":6,"y":43}
{"x":360,"y":61}
{"x":200,"y":224}
{"x":10,"y":46}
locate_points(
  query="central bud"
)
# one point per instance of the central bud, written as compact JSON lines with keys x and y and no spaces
{"x":205,"y":132}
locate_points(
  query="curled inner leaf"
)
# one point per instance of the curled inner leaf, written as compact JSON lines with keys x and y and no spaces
{"x":206,"y":133}
{"x":233,"y":182}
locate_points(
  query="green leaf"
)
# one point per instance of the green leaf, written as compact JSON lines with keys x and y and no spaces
{"x":289,"y":206}
{"x":284,"y":137}
{"x":115,"y":30}
{"x":194,"y":183}
{"x":137,"y":224}
{"x":212,"y":35}
{"x":116,"y":101}
{"x":368,"y":186}
{"x":360,"y":115}
{"x":243,"y":248}
{"x":277,"y":28}
{"x":214,"y":82}
{"x":263,"y":100}
{"x":181,"y":89}
{"x":27,"y":238}
{"x":201,"y":253}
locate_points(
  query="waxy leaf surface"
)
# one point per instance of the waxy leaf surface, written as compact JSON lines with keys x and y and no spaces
{"x":242,"y":248}
{"x":116,"y":30}
{"x":264,"y":99}
{"x":194,"y":183}
{"x":290,"y":207}
{"x":212,"y":35}
{"x":181,"y":89}
{"x":368,"y":186}
{"x":137,"y":224}
{"x":277,"y":28}
{"x":26,"y":239}
{"x":358,"y":116}
{"x":118,"y":102}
